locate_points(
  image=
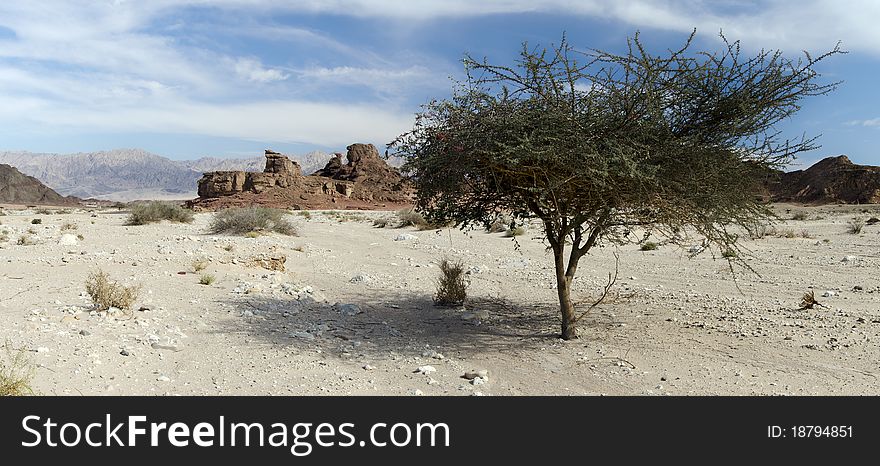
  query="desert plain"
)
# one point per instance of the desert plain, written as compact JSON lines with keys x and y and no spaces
{"x":351,"y":313}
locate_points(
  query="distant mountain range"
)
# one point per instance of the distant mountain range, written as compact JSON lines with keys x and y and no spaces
{"x":130,"y":174}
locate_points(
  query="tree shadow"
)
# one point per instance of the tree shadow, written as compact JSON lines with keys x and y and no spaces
{"x":396,"y":323}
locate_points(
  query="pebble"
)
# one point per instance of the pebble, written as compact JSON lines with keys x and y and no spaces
{"x":347,"y":309}
{"x":125,"y":353}
{"x":482,"y":373}
{"x":163,"y":378}
{"x":368,"y":367}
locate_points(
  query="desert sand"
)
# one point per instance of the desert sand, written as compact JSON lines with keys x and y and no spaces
{"x":352,"y":314}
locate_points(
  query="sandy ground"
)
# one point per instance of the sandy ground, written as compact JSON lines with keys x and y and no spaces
{"x":678,"y":326}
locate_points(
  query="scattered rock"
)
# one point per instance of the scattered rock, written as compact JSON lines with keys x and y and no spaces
{"x":829,"y":294}
{"x":67,"y":240}
{"x":426,"y":370}
{"x":163,"y":378}
{"x":347,"y":309}
{"x":406,"y":237}
{"x":481,"y":373}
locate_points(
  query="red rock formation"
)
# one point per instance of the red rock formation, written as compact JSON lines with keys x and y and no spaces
{"x":365,"y":181}
{"x":831,"y":180}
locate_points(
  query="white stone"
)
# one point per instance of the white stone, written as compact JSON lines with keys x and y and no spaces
{"x":426,"y":370}
{"x":67,"y":240}
{"x":406,"y":237}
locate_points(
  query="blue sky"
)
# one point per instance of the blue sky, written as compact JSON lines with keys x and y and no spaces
{"x":231,"y":77}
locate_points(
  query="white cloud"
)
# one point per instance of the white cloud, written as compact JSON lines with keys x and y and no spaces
{"x":254,"y":71}
{"x":874,"y":122}
{"x":316,"y":123}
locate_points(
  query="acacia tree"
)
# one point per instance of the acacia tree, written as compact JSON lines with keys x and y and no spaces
{"x":610,"y":148}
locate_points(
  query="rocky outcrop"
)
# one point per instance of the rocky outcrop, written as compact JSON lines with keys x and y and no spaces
{"x":831,"y":180}
{"x":374,"y":179}
{"x":18,"y":188}
{"x":364,"y":181}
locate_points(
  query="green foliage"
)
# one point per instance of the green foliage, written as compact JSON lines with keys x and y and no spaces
{"x":251,"y":222}
{"x":595,"y":145}
{"x":648,"y":246}
{"x":451,"y":286}
{"x":153,"y":212}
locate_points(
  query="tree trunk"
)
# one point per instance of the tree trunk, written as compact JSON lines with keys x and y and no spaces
{"x":563,"y":289}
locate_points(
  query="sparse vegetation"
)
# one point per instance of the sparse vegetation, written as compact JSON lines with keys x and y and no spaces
{"x":199,"y":264}
{"x":380,"y":222}
{"x":649,"y":246}
{"x":729,"y":254}
{"x":515,"y":231}
{"x":44,"y":212}
{"x":229,"y":247}
{"x":16,"y":372}
{"x":410,"y":218}
{"x":251,"y":222}
{"x":854,"y":226}
{"x":80,"y":237}
{"x":799,"y":216}
{"x":67,"y":226}
{"x":451,"y":287}
{"x":206,"y":279}
{"x":36,"y":221}
{"x":304,"y":214}
{"x":26,"y":240}
{"x":106,"y":294}
{"x":153,"y":212}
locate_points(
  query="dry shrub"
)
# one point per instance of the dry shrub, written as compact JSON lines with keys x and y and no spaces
{"x":855,"y":225}
{"x":69,"y":226}
{"x":106,"y":294}
{"x":649,"y":246}
{"x":451,"y":287}
{"x":515,"y":231}
{"x":251,"y":221}
{"x":411,"y":218}
{"x":206,"y":279}
{"x":16,"y":373}
{"x":153,"y":212}
{"x":200,"y":264}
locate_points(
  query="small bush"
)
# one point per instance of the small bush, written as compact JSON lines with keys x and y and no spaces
{"x":44,"y":212}
{"x":206,"y":279}
{"x":229,"y":247}
{"x":799,"y":216}
{"x":36,"y":221}
{"x":855,"y":225}
{"x":380,"y":222}
{"x":153,"y":212}
{"x":69,"y":226}
{"x":410,"y":218}
{"x":729,"y":254}
{"x":761,"y":231}
{"x":304,"y":214}
{"x":16,"y":373}
{"x":80,"y":237}
{"x":200,"y":264}
{"x":26,"y":240}
{"x":451,"y":287}
{"x":500,"y":225}
{"x":106,"y":294}
{"x":251,"y":222}
{"x":787,"y":233}
{"x":649,"y":246}
{"x":515,"y":231}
